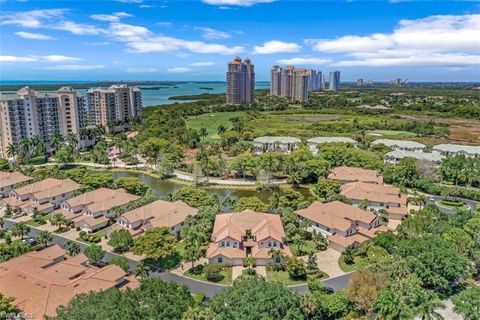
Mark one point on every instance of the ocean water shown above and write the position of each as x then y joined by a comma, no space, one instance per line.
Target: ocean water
158,96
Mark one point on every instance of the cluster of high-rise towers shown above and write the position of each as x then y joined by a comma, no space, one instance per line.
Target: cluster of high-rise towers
289,82
28,113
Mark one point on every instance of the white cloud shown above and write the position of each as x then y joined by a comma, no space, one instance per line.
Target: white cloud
202,64
145,6
31,19
75,67
34,36
240,3
212,34
110,17
179,70
435,40
164,24
130,1
304,61
33,58
16,59
79,29
141,70
58,58
276,46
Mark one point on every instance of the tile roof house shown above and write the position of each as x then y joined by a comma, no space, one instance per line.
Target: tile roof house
8,181
43,280
394,157
379,196
275,144
44,195
156,214
349,174
342,224
90,211
237,235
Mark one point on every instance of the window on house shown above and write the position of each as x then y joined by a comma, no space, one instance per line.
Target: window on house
222,244
220,260
228,243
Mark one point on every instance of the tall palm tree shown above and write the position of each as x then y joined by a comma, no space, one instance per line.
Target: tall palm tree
21,229
44,238
203,133
56,142
12,152
72,140
25,147
142,271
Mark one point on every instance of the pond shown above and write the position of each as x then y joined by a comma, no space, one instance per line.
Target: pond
165,187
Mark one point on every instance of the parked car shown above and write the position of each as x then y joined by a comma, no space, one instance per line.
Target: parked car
31,241
18,214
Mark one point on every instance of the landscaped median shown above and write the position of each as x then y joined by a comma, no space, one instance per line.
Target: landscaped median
211,273
453,204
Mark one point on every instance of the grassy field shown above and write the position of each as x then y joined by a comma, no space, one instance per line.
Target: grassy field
346,267
392,133
283,277
211,121
307,248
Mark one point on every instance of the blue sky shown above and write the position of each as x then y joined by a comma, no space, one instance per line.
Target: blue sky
193,40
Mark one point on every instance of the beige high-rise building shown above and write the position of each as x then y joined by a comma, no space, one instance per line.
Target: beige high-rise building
28,113
117,103
276,81
293,83
240,81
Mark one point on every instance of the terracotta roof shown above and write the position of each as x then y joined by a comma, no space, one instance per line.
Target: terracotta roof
161,213
91,221
12,178
372,232
355,174
234,225
336,214
102,199
41,281
347,241
232,253
49,187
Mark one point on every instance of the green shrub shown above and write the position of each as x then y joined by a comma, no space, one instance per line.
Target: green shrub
199,298
452,203
212,273
198,269
82,233
37,160
249,272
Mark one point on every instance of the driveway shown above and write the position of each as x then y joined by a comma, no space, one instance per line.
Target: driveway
327,261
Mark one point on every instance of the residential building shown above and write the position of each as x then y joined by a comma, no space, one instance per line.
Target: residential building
275,144
360,82
240,81
276,81
342,224
295,84
314,142
156,214
237,235
45,195
28,113
350,174
334,81
9,180
451,150
41,281
378,196
91,211
118,103
401,145
394,157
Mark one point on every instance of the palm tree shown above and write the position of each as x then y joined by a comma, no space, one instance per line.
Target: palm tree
44,238
25,147
428,309
72,140
72,247
56,142
249,262
58,219
276,254
21,229
142,271
12,152
221,129
203,133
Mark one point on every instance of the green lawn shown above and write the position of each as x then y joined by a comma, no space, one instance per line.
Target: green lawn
211,121
226,273
283,277
346,267
307,248
393,133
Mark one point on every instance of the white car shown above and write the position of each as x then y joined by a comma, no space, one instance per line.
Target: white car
431,199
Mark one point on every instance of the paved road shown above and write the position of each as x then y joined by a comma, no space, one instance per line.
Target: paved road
471,203
195,286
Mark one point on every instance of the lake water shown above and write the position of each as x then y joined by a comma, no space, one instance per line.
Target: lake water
165,187
163,93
